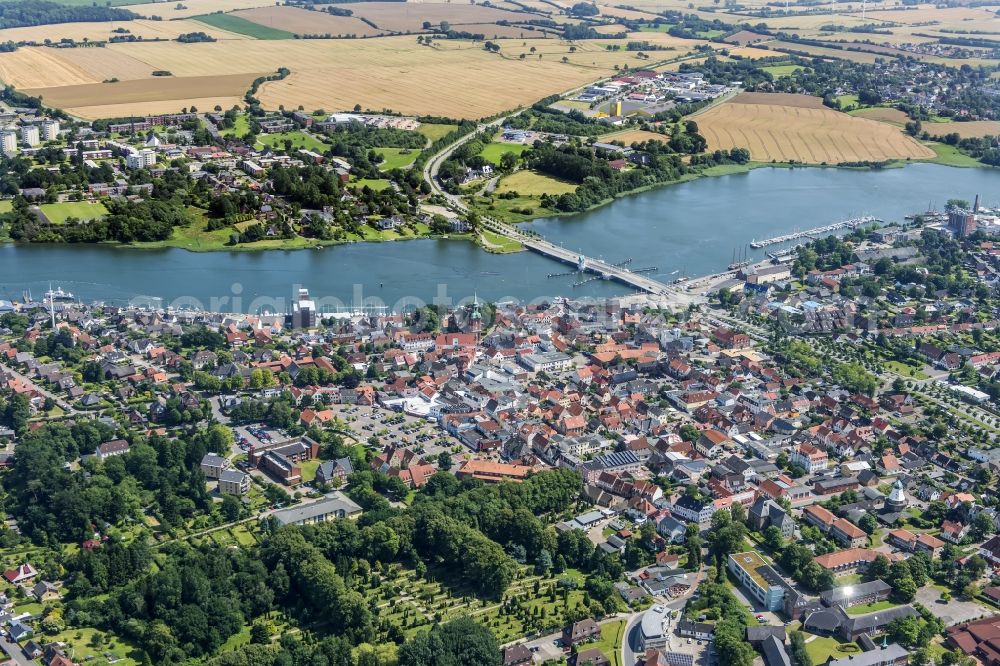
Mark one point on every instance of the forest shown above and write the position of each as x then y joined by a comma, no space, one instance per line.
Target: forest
20,13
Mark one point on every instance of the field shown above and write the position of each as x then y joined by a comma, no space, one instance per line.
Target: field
304,22
89,100
396,158
58,213
494,151
435,131
529,183
798,128
242,26
168,10
883,114
853,56
634,136
778,71
102,31
298,140
410,16
966,130
389,72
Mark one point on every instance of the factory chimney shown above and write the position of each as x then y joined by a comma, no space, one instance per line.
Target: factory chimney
975,206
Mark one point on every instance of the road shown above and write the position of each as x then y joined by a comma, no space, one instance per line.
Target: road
14,651
631,653
65,406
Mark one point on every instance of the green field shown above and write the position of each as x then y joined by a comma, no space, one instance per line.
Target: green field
951,156
662,27
376,184
847,101
905,370
499,244
777,71
242,26
611,641
530,183
6,205
869,608
396,158
240,127
58,213
494,151
821,648
434,131
298,139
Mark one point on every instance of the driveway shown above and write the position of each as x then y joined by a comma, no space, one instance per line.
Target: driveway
955,611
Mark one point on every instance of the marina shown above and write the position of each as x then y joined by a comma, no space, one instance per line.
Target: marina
850,224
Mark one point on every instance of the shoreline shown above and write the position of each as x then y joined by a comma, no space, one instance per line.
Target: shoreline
302,244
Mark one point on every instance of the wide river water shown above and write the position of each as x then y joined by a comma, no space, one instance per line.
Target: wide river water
687,229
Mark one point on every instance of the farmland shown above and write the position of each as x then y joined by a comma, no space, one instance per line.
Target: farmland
529,183
410,16
388,72
798,128
104,31
94,100
169,10
242,26
293,20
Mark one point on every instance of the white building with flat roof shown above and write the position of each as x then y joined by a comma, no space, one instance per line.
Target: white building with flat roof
50,130
8,143
30,135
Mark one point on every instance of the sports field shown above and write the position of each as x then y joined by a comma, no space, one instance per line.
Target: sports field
58,213
799,128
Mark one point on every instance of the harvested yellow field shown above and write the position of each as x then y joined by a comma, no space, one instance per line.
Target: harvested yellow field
494,31
751,52
167,10
304,22
627,14
804,133
946,16
823,52
104,64
410,17
453,78
885,115
101,32
973,129
634,136
38,67
154,89
152,108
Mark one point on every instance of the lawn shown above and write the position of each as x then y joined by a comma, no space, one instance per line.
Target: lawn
83,648
531,183
58,213
435,131
848,101
308,469
950,155
904,370
396,158
777,71
494,151
499,244
377,184
242,26
240,127
298,138
869,608
821,648
611,641
6,206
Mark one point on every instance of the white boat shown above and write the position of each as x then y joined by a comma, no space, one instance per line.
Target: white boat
58,294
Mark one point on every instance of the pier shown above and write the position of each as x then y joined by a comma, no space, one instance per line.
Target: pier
853,223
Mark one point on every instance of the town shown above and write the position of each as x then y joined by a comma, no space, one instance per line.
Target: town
797,469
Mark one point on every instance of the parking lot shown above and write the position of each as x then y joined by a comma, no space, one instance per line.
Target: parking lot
424,437
955,611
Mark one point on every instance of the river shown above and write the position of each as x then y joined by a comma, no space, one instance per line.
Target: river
688,229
